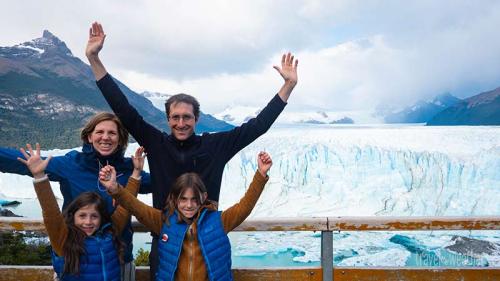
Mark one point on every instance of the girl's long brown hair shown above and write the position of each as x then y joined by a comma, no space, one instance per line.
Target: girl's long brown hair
74,246
181,184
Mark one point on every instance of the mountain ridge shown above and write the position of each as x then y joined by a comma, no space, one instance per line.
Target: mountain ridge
47,94
481,109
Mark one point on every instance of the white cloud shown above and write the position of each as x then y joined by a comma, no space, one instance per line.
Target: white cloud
353,54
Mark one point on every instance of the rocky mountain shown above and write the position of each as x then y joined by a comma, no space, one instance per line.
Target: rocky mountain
422,111
47,94
481,109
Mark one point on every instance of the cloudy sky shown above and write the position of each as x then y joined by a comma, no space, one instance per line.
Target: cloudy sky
353,55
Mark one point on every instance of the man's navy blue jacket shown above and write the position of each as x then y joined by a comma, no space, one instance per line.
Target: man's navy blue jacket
206,154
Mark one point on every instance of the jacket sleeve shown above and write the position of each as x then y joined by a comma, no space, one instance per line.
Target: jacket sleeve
145,214
145,183
236,214
52,217
121,216
10,164
143,132
231,142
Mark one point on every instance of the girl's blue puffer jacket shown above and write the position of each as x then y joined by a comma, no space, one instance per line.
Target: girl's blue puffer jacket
100,263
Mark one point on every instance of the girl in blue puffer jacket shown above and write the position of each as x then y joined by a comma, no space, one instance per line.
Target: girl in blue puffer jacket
84,237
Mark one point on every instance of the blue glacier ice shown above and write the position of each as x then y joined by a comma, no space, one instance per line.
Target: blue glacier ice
383,170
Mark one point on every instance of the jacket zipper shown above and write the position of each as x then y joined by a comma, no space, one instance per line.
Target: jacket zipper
103,267
191,241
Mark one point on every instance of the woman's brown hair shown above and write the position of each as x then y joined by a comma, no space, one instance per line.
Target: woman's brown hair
74,245
181,184
105,116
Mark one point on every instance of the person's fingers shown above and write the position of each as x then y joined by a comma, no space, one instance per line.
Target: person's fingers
26,156
107,169
48,158
291,60
94,27
296,63
90,32
139,152
30,149
101,30
277,68
283,57
22,160
37,146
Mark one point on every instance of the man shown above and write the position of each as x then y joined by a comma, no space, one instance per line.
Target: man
169,156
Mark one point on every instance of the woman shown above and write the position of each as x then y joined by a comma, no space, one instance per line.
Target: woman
193,234
104,142
85,237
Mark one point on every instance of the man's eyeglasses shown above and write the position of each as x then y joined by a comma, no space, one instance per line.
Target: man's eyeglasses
185,117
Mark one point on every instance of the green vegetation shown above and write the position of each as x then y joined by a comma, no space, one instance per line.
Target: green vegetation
142,258
29,249
24,249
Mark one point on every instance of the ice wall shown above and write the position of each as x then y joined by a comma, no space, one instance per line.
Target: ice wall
354,170
388,170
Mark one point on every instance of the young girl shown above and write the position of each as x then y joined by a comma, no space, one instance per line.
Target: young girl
84,237
193,234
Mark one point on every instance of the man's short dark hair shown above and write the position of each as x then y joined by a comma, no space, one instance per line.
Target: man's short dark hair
185,98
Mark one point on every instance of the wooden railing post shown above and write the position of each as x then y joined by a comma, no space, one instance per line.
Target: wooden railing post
327,255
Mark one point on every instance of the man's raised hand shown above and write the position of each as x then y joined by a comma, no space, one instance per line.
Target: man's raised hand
96,40
288,69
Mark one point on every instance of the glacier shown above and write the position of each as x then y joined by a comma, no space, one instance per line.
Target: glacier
380,170
354,170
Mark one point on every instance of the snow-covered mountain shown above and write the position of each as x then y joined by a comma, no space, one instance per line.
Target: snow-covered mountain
158,99
239,114
481,109
422,111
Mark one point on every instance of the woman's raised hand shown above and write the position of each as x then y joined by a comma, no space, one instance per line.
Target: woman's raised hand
33,161
138,158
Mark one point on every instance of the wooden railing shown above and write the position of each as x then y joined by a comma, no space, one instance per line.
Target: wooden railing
327,225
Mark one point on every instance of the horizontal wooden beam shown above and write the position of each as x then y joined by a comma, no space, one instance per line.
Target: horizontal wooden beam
45,273
415,274
413,223
284,224
374,223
